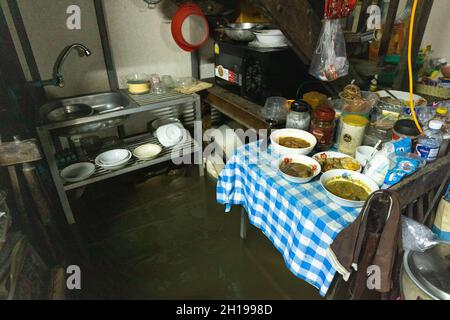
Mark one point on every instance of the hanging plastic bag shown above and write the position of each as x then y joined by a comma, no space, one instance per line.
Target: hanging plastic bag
329,61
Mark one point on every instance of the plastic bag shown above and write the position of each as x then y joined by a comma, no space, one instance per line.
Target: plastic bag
416,236
329,61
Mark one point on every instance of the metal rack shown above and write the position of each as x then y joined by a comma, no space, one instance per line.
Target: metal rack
133,164
187,106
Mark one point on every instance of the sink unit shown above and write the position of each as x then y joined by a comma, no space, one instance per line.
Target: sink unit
186,107
100,103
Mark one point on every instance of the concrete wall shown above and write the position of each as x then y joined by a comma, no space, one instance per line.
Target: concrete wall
437,33
45,22
141,41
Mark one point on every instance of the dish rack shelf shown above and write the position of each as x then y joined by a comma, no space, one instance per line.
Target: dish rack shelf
183,149
186,107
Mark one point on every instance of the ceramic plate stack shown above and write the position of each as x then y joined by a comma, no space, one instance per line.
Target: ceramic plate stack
113,159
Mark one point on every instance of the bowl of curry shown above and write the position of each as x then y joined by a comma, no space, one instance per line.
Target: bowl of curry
292,141
348,188
298,168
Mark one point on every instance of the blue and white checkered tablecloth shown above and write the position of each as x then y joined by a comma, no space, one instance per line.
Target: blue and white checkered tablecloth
299,219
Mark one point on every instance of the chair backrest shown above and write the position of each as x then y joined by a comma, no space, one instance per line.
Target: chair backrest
418,196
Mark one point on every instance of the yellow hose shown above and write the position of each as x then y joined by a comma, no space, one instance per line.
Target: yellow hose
410,69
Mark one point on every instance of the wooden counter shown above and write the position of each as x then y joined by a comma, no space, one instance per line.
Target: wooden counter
233,106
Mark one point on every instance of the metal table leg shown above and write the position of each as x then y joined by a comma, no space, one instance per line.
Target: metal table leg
243,224
48,149
198,135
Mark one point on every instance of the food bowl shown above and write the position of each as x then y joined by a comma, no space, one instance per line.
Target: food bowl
113,164
347,176
271,37
294,133
70,112
147,151
242,31
295,158
113,156
78,172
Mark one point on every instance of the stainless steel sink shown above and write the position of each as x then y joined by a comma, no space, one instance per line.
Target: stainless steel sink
107,104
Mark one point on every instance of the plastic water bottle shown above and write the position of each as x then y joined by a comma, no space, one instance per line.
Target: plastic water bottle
430,142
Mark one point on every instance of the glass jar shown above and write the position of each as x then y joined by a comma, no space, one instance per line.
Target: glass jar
352,133
322,127
375,134
299,116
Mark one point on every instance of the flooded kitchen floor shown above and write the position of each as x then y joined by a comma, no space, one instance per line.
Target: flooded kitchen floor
167,238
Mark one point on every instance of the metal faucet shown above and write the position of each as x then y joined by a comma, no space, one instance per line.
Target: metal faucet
58,79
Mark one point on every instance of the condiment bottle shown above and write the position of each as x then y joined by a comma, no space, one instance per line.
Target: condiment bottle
299,117
322,127
442,115
352,133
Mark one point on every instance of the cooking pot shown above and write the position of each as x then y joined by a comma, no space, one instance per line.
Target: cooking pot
426,275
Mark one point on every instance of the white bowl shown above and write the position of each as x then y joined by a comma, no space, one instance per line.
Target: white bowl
271,37
303,160
348,175
295,133
147,151
113,166
78,172
112,157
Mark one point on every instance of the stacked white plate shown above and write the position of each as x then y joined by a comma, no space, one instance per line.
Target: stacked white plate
113,159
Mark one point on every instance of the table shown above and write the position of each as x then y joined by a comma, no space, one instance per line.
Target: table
299,220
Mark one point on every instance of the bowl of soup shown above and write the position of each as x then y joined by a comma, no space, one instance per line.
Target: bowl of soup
292,141
299,169
348,188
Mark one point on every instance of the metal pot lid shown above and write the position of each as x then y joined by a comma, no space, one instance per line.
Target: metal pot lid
430,270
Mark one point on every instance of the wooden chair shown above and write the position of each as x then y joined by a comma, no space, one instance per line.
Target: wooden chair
418,196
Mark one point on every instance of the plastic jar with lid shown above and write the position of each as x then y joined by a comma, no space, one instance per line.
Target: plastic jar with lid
406,128
352,133
322,127
442,115
299,116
